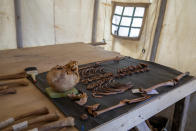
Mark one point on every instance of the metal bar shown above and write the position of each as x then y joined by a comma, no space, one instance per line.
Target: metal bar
129,16
158,30
18,23
120,20
125,26
131,21
95,17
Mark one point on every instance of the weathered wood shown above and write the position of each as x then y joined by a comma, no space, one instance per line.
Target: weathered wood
143,127
148,109
180,114
44,58
158,29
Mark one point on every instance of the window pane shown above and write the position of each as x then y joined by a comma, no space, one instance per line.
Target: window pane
114,29
128,11
118,10
126,21
116,19
134,32
137,22
139,11
123,31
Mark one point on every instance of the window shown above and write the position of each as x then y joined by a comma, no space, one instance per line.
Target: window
128,20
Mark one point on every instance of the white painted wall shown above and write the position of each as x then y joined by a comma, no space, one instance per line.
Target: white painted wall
37,20
73,20
7,25
46,22
177,43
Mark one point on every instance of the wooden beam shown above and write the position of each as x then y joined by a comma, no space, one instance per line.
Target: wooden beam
144,111
143,127
95,17
180,114
158,30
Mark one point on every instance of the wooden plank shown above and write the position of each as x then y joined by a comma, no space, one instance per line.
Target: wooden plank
142,127
158,29
148,109
180,114
44,57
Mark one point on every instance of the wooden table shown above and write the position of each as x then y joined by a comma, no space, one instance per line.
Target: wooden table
45,57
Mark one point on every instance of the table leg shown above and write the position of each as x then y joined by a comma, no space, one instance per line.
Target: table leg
180,114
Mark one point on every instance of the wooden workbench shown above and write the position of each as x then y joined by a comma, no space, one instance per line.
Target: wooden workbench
28,98
45,57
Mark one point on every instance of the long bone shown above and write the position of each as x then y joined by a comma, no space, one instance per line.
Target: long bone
172,83
11,120
121,103
26,124
7,91
6,85
69,121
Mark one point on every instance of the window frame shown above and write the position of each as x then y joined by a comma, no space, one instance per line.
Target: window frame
145,5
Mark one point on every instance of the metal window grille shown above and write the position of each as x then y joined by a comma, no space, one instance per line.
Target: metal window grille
133,18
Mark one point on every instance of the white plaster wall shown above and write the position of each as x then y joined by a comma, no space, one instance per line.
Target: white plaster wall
48,22
73,20
7,25
37,20
177,43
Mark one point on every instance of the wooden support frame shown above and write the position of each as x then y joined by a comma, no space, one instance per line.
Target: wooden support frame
180,114
142,127
148,109
158,30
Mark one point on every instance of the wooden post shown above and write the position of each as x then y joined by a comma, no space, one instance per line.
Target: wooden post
180,114
143,127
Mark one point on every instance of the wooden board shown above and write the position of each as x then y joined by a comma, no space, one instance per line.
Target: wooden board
45,57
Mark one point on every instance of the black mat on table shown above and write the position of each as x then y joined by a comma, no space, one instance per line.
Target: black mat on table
157,74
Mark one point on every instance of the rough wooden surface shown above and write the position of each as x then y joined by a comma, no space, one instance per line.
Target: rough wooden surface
180,114
45,57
